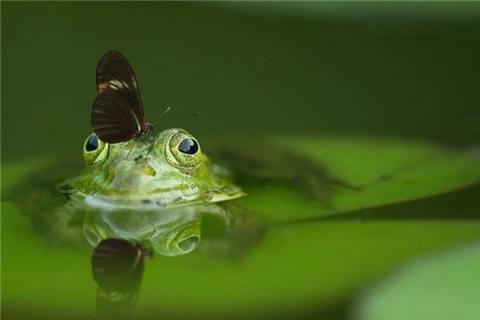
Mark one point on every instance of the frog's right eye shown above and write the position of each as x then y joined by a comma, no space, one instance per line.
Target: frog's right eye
184,151
94,150
92,143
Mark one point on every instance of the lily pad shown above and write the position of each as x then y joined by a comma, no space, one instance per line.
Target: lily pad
444,286
385,171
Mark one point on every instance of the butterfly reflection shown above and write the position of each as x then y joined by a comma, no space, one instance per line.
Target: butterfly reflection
117,268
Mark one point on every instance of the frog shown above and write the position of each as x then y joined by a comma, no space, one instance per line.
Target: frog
149,197
165,170
153,191
142,181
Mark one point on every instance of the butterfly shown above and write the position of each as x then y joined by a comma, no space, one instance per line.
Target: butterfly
117,111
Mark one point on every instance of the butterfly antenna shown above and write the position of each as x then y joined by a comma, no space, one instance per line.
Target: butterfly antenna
161,115
191,114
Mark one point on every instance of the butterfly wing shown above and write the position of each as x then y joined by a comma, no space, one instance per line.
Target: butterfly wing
113,119
113,69
117,113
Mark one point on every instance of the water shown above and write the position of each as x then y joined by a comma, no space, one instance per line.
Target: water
373,109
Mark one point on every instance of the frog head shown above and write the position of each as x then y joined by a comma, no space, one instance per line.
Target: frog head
164,170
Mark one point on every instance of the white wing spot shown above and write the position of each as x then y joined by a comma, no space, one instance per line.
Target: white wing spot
139,127
115,84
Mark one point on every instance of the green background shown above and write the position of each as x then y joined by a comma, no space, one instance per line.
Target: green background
377,68
363,88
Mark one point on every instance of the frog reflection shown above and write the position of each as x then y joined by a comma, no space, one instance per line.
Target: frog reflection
167,232
123,239
153,192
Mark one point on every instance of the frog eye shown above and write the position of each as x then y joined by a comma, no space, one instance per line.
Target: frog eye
94,150
91,144
188,146
184,150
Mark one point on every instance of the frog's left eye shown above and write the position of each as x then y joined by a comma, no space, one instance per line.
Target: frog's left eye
184,150
94,150
91,144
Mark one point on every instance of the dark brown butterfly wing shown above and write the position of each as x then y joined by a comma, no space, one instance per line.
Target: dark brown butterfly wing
117,113
113,119
113,70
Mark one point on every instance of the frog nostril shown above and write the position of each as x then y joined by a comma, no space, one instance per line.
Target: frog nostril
189,244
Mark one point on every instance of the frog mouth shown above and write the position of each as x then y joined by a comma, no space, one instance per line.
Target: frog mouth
164,199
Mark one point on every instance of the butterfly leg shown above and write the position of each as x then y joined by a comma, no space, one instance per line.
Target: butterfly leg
150,148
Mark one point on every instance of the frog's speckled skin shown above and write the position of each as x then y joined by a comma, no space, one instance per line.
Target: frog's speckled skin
149,173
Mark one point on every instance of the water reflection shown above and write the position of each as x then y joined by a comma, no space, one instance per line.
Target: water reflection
117,268
169,232
125,240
